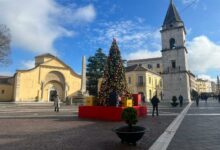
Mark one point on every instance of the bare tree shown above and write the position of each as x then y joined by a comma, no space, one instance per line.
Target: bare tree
5,40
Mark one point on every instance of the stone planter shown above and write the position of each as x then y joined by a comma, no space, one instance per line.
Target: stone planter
130,135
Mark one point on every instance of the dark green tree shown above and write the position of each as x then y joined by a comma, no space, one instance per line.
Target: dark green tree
114,76
95,69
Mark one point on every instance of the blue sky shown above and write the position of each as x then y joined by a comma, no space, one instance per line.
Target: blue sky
70,29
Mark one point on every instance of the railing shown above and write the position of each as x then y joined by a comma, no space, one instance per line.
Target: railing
172,70
140,84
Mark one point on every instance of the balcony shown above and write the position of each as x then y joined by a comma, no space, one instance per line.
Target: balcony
140,84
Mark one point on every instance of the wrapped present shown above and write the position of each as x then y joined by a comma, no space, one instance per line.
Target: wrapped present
89,101
127,103
137,99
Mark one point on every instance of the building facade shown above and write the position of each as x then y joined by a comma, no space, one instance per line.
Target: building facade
144,81
214,87
204,86
173,65
174,56
50,75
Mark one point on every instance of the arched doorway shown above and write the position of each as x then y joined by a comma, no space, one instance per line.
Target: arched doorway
54,84
52,94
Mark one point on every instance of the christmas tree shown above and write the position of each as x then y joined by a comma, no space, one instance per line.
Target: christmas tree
114,76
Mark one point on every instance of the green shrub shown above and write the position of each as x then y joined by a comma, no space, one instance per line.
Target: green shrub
174,103
129,115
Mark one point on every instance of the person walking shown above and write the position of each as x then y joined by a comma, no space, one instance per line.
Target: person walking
154,102
113,98
197,100
143,98
206,98
56,103
181,100
219,98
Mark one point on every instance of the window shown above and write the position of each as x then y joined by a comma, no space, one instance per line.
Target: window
149,66
172,43
158,65
173,62
3,91
129,80
149,80
140,80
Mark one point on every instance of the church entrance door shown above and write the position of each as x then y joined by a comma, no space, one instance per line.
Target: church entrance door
52,95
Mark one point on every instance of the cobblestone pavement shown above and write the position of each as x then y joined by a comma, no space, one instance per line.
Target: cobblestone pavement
38,127
199,129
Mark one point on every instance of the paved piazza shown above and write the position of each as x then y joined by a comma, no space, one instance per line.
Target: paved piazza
39,127
199,129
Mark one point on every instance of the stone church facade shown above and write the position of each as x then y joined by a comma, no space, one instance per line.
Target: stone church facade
49,75
173,63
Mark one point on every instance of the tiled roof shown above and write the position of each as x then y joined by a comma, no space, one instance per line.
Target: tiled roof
147,59
137,67
5,80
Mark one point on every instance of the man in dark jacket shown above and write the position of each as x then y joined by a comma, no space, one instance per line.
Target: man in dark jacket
154,102
113,98
181,100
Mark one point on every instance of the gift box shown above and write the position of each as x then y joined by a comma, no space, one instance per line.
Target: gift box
137,99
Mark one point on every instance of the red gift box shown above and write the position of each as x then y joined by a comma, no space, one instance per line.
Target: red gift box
137,99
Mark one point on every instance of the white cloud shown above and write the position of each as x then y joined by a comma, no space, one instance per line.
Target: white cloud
77,15
29,64
206,77
143,54
131,35
189,1
203,54
6,73
36,24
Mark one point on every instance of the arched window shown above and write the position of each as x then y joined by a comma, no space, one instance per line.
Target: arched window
172,43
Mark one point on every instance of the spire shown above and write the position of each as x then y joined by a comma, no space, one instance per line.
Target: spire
172,15
114,40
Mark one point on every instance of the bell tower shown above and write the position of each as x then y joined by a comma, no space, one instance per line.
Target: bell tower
174,56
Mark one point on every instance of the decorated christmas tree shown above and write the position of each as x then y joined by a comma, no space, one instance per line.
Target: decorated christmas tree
114,76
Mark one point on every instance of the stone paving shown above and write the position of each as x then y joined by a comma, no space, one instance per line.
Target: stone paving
199,129
38,127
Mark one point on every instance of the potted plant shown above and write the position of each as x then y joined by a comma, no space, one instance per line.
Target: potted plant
130,133
174,103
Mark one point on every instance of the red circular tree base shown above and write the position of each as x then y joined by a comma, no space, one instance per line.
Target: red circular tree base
107,113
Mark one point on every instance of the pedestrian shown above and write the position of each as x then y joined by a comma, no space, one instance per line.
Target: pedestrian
181,100
154,102
143,98
206,97
197,100
118,101
219,98
56,103
113,98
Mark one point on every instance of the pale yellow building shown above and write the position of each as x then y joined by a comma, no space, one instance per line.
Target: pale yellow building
203,86
143,80
49,75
